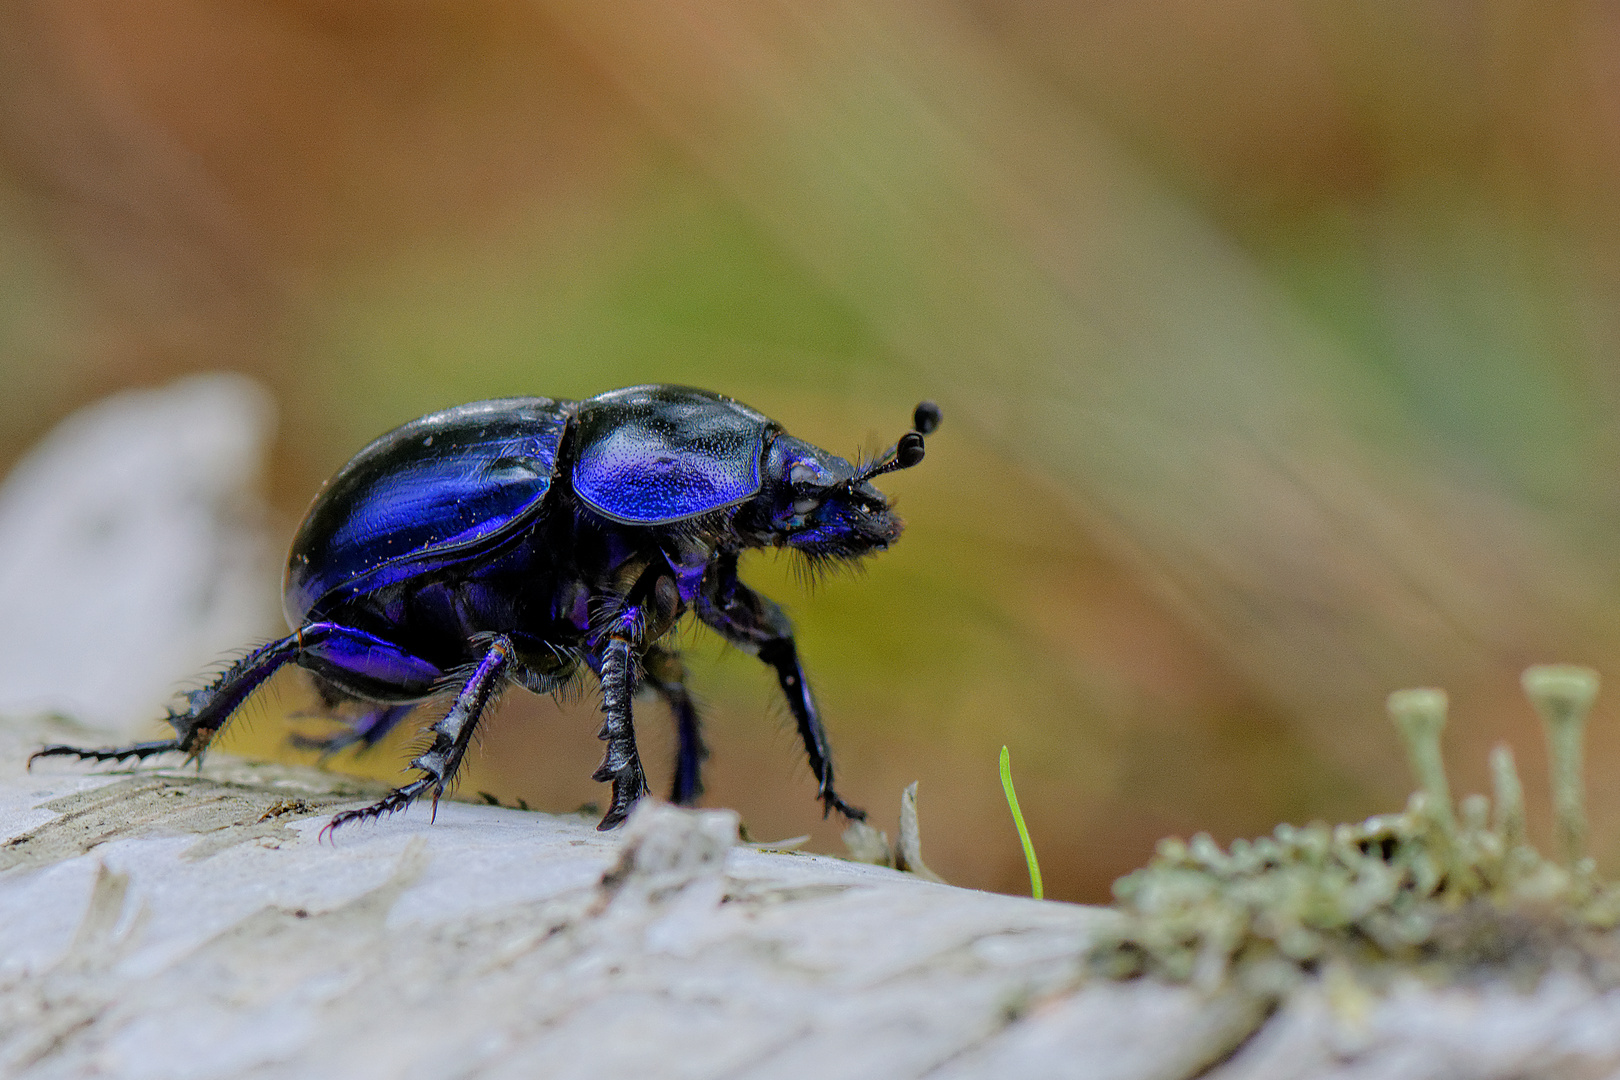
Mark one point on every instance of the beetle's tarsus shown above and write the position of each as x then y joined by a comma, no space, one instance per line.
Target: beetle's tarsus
392,803
831,802
206,710
112,753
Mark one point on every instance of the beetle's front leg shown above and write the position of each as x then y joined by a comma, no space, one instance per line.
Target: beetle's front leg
758,625
621,763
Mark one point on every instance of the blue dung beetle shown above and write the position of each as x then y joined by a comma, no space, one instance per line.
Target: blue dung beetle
513,541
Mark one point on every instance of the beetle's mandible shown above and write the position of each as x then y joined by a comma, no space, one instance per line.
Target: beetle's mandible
525,539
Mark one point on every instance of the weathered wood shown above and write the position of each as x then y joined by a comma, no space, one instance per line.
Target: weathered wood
170,924
165,923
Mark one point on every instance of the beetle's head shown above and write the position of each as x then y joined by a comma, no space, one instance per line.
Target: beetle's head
825,508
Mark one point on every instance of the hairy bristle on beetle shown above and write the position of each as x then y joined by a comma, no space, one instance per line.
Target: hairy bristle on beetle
813,569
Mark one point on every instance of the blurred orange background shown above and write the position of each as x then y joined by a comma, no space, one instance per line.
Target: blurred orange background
1277,345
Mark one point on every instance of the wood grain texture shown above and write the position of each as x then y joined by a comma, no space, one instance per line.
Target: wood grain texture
170,924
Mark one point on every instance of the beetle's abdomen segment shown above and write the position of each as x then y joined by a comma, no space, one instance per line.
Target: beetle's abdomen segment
429,491
650,455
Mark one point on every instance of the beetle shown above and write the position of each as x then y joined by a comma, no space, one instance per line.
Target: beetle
525,540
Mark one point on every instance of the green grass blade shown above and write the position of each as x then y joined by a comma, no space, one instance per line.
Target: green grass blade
1018,819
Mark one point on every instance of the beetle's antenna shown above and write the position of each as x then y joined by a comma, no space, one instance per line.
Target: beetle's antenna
909,450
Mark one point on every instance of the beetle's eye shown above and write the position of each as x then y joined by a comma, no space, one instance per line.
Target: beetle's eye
802,477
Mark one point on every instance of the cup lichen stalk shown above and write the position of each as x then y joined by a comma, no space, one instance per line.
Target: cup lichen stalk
1563,695
1437,887
1420,716
1509,798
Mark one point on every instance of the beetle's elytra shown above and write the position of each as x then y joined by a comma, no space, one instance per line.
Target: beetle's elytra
525,539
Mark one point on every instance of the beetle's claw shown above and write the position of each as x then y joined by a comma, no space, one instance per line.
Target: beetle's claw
626,793
831,801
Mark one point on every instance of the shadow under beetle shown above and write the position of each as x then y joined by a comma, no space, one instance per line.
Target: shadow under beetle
513,541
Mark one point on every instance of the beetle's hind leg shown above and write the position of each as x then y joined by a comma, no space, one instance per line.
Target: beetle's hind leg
667,675
207,709
451,737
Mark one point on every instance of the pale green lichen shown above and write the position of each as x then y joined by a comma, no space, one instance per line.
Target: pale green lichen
1563,695
1429,887
1421,717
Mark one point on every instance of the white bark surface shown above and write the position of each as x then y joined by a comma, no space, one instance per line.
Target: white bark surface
169,925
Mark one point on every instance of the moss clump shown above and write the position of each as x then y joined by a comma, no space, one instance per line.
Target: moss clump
1436,887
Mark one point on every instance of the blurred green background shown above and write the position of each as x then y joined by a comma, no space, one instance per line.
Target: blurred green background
1277,345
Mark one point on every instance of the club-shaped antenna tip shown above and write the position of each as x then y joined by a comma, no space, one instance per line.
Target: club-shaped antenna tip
926,418
909,450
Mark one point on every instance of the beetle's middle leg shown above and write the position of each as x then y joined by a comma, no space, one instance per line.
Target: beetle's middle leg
667,675
451,737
